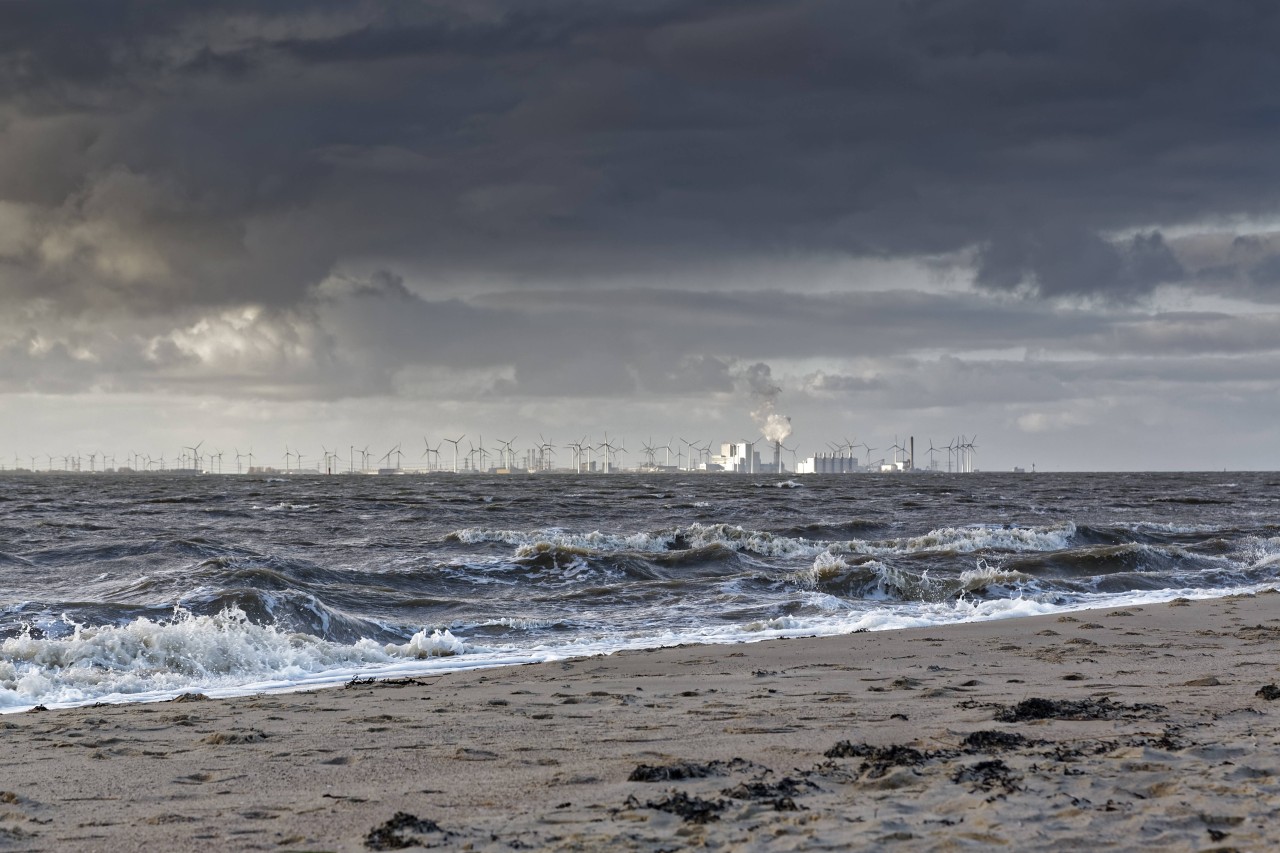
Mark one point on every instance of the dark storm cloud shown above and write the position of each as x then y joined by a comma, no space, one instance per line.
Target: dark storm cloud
1073,262
160,156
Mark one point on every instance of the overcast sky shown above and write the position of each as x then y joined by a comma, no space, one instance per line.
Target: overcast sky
1054,225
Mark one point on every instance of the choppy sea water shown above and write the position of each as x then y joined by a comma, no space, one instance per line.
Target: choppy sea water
135,587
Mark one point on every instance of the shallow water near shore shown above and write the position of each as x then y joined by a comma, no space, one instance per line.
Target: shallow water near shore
119,587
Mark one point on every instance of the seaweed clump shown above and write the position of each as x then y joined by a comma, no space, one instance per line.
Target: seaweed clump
1073,709
680,770
992,740
987,776
879,759
690,809
400,832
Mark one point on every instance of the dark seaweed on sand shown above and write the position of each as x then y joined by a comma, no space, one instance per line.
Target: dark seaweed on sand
679,770
1269,692
879,759
892,754
691,809
1077,709
401,832
987,776
992,740
779,794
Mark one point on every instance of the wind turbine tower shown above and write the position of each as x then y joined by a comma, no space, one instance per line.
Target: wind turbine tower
455,442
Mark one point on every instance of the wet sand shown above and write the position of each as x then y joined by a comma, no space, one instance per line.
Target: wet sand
1148,726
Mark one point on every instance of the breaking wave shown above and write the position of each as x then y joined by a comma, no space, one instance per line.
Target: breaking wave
186,652
958,540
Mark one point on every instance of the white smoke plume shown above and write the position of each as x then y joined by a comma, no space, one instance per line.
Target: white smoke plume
775,427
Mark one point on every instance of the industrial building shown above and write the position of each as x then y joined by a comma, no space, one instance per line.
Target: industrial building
829,463
737,457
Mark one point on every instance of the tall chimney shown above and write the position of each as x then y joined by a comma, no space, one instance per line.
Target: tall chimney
777,457
913,452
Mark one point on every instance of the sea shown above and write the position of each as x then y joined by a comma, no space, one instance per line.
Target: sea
142,587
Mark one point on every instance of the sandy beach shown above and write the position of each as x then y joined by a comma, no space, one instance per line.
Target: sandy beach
1148,726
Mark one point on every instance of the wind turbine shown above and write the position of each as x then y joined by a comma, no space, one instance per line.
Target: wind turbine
969,448
609,451
933,466
705,452
429,451
455,442
507,454
576,447
692,447
195,453
547,451
962,455
899,451
476,456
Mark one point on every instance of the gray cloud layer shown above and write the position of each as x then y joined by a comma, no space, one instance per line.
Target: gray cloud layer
328,199
217,152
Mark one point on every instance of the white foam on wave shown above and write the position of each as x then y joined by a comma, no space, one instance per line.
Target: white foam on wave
227,655
978,537
437,644
1169,527
528,543
983,575
147,659
966,539
1259,551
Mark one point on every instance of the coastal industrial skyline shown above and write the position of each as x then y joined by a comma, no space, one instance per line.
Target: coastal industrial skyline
585,455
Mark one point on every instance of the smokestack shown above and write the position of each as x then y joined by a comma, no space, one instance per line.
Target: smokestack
777,457
913,452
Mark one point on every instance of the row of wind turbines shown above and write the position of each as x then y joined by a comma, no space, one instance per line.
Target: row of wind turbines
477,457
960,454
448,455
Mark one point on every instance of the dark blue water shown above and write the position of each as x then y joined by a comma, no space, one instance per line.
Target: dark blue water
140,586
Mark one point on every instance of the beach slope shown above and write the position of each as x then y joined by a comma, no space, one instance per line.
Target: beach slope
1146,726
